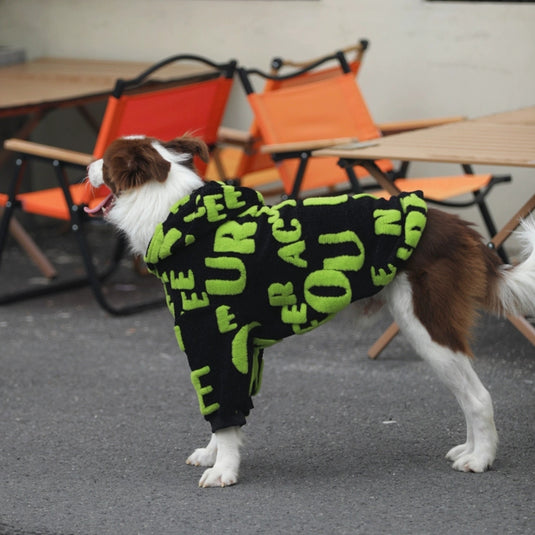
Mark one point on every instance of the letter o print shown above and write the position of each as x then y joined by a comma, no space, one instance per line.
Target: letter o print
327,291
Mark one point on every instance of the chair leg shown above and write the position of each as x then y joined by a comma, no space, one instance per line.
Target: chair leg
402,170
353,180
303,162
381,343
524,326
4,227
7,214
497,240
512,224
486,215
521,323
491,228
93,277
96,279
34,253
9,223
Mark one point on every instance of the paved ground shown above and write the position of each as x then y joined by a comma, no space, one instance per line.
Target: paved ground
98,416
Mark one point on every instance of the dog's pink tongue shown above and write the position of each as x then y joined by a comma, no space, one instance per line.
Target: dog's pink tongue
100,208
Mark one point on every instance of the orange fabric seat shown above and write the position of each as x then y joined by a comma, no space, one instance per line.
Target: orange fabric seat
52,203
441,188
322,109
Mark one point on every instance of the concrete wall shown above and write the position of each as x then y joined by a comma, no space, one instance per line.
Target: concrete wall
426,59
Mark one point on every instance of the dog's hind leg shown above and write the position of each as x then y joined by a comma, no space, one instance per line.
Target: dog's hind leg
204,456
227,462
455,371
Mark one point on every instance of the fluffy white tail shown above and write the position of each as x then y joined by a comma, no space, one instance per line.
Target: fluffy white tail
517,286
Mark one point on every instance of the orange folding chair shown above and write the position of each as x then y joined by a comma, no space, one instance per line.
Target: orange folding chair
240,158
296,120
149,105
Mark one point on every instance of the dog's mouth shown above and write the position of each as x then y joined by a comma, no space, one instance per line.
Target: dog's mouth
103,208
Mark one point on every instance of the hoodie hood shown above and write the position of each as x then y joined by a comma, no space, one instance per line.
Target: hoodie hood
198,215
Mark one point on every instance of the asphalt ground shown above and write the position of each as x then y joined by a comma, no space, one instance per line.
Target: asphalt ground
98,416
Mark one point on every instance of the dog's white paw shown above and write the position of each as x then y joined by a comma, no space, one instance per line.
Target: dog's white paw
223,454
458,451
202,457
218,477
472,463
466,459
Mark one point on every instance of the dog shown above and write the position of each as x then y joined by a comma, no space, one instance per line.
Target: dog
436,274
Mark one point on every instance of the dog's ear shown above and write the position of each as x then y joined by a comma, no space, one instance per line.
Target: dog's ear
189,145
134,164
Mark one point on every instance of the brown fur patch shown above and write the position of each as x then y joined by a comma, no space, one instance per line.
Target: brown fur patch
190,145
452,274
131,163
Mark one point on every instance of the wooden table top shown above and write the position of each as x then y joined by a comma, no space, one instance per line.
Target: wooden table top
521,116
502,139
49,82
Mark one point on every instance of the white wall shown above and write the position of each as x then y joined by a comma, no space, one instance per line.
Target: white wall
426,59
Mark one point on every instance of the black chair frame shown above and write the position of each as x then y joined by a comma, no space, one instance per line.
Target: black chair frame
77,216
348,164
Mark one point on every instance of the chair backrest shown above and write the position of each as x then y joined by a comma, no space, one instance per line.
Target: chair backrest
254,160
167,109
323,108
279,66
194,106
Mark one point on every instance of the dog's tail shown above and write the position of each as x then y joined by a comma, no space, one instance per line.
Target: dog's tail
514,292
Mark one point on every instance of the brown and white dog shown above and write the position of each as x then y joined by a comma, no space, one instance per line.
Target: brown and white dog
434,298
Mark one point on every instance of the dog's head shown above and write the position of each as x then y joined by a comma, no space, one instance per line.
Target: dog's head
133,161
146,177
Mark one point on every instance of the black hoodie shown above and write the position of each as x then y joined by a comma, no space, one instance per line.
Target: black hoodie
240,275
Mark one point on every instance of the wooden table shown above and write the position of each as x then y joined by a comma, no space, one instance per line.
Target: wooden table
49,83
502,139
37,87
521,116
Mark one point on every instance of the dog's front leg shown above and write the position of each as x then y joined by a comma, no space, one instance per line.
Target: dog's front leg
227,461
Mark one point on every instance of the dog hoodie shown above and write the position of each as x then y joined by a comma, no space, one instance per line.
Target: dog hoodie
240,275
